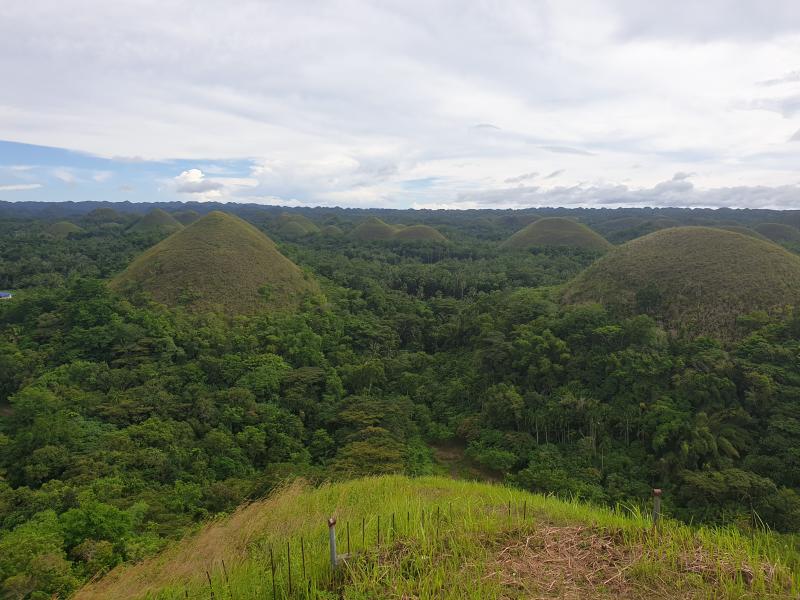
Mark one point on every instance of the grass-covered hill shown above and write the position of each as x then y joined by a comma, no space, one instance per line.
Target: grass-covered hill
156,221
697,279
62,229
419,233
104,215
447,539
296,225
331,230
186,217
778,232
745,231
218,262
556,231
373,229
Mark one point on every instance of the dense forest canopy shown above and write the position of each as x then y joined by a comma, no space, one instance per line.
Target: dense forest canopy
125,422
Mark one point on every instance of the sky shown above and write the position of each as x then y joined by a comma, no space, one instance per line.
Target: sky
407,104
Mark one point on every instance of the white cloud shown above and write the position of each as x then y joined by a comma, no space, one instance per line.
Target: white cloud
400,103
18,187
195,182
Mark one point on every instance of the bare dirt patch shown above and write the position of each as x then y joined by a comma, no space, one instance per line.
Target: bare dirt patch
581,562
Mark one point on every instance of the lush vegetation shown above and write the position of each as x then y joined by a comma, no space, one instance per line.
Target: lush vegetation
779,232
557,231
697,279
125,423
453,539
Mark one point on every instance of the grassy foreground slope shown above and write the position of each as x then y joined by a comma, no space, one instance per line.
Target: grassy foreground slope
694,278
452,539
219,262
556,231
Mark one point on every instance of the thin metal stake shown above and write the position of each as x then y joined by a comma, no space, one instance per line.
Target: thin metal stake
289,565
363,544
437,522
303,555
348,537
227,581
379,530
272,567
524,510
210,587
393,534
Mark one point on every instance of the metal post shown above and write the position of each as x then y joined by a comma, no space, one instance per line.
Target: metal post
289,565
272,568
379,530
332,540
656,506
524,509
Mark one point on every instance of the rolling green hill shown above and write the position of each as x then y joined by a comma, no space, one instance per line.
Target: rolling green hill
104,215
745,231
419,233
62,229
296,225
331,230
778,232
698,279
445,539
373,229
556,231
219,262
186,217
156,221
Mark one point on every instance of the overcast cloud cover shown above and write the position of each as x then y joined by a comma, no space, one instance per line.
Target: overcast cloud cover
403,104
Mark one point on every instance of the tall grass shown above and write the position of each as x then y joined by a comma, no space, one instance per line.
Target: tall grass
445,543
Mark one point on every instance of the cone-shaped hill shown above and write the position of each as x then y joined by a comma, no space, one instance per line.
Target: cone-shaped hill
62,229
419,233
186,217
104,215
556,231
219,262
745,231
373,229
778,232
331,230
295,225
698,279
156,221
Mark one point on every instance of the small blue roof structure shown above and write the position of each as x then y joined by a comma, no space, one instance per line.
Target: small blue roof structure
4,295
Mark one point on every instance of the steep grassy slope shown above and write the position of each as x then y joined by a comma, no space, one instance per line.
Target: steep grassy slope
62,229
373,229
778,232
694,278
156,221
419,233
219,262
452,539
556,231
